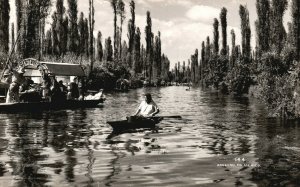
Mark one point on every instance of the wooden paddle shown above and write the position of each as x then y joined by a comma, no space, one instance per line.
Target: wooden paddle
175,117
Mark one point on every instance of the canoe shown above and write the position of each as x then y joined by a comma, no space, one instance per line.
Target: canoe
135,124
42,106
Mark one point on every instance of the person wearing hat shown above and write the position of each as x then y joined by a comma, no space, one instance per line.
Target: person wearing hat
147,108
17,80
7,76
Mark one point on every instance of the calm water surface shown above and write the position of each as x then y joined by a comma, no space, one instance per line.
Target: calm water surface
221,141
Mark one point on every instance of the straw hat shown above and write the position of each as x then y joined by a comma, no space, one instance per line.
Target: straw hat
7,72
21,71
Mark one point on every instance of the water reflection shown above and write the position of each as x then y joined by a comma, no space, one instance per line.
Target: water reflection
25,152
78,148
278,151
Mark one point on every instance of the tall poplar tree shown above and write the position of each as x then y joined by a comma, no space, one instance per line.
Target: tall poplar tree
12,35
158,53
149,45
278,32
99,47
82,34
73,36
55,41
137,48
91,31
108,50
131,26
60,10
121,12
296,26
245,31
19,14
263,25
65,36
207,49
87,38
216,36
233,55
223,19
114,6
203,60
4,25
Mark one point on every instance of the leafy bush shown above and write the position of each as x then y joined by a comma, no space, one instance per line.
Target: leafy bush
106,75
239,78
136,81
277,83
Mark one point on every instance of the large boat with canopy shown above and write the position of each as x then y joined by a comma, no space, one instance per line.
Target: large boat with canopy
35,98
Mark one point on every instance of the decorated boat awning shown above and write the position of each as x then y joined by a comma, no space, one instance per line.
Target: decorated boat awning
63,69
32,73
54,69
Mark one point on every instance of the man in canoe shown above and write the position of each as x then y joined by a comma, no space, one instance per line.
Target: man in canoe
147,108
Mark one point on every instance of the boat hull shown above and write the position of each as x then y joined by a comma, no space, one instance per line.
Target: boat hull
134,124
41,106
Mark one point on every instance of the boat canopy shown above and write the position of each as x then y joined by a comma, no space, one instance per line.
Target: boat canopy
54,69
63,69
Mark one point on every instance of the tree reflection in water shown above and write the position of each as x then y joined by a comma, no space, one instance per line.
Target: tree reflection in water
29,137
278,153
25,152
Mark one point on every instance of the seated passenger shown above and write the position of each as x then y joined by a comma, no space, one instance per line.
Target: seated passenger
73,91
46,87
56,93
62,87
28,93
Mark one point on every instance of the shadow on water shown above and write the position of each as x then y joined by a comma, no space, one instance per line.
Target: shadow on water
116,133
129,146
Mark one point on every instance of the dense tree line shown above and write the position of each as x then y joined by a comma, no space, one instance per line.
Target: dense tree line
270,70
71,38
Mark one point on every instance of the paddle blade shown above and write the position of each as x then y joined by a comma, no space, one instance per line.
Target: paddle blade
174,117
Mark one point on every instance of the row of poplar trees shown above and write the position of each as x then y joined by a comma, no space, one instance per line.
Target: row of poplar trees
69,35
148,60
239,66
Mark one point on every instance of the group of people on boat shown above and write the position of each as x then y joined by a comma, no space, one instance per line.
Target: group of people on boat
23,89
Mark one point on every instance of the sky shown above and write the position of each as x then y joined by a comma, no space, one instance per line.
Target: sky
183,24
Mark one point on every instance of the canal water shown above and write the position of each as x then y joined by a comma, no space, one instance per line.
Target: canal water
220,141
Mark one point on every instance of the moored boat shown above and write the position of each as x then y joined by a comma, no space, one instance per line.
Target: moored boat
63,97
45,105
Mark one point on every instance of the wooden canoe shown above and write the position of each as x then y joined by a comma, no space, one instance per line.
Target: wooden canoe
41,106
135,124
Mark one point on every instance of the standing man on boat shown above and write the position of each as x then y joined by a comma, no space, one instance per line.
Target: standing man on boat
147,108
17,80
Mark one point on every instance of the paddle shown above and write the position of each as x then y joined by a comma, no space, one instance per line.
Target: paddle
175,117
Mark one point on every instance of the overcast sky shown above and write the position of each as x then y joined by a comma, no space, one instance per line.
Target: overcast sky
184,24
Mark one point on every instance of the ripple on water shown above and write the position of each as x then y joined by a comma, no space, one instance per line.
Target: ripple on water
77,147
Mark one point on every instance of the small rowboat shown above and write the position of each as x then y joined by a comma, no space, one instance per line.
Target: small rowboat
135,124
138,123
